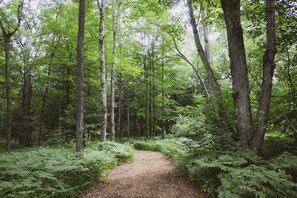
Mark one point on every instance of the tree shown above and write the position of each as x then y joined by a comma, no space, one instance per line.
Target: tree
80,78
240,79
213,85
101,8
7,33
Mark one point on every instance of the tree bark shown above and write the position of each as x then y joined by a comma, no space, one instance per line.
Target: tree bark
212,82
101,7
268,70
80,78
239,72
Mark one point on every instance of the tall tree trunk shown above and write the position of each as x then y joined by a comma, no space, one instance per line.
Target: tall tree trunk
212,82
146,79
80,78
163,94
8,93
120,108
128,116
101,7
26,134
115,22
240,82
268,70
7,39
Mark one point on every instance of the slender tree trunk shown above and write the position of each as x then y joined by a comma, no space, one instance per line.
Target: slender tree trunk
112,78
120,108
268,70
182,56
153,104
115,18
41,135
80,79
128,117
8,93
206,39
25,138
240,82
163,95
150,81
101,7
146,108
212,82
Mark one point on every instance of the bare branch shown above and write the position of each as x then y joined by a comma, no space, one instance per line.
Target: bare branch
20,9
182,56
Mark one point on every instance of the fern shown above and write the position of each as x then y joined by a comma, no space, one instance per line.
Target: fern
236,172
57,172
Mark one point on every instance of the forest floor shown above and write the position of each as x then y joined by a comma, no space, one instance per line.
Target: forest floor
150,175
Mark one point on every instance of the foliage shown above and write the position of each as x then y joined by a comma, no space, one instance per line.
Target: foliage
236,172
58,172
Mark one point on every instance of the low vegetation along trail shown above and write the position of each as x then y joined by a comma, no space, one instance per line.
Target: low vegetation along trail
151,175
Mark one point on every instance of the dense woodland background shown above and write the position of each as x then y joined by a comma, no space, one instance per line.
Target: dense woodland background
212,78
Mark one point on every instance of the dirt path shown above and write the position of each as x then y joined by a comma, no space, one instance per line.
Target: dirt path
150,175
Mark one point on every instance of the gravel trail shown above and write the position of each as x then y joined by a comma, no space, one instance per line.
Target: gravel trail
150,175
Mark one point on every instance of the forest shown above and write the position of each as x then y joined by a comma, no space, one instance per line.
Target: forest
211,84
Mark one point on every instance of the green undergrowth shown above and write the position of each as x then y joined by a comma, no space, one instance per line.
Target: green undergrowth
235,172
58,172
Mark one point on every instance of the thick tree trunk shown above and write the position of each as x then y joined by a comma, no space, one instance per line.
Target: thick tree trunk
8,93
101,7
212,82
268,69
80,78
240,82
7,38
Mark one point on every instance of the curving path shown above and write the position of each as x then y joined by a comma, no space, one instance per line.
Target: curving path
150,175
